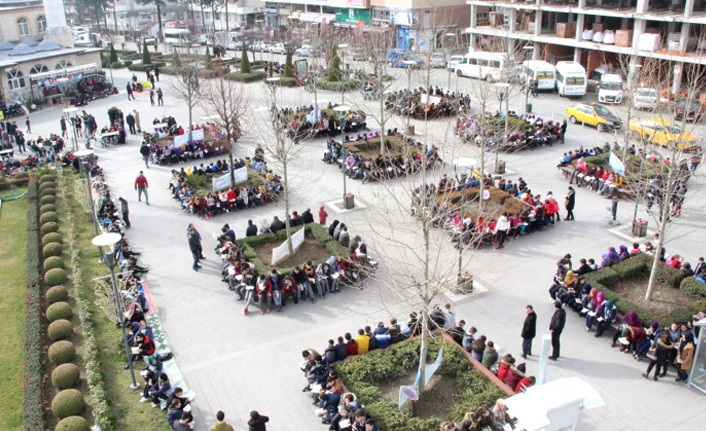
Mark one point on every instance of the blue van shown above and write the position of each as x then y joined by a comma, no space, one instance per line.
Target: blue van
398,58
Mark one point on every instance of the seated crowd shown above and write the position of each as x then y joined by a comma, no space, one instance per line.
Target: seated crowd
305,282
383,166
310,122
411,103
537,134
661,346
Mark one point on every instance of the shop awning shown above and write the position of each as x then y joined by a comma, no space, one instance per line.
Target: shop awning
63,72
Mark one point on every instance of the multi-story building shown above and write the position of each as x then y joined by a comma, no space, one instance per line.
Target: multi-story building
567,30
36,45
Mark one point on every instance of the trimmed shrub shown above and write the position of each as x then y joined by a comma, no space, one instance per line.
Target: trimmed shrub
44,178
693,287
56,294
254,241
20,182
676,315
60,329
48,199
246,77
142,67
52,249
58,310
629,267
320,233
53,262
669,275
73,423
53,237
145,54
282,234
21,175
697,305
624,306
346,84
46,185
65,376
289,66
62,352
55,276
68,402
607,276
47,208
610,295
49,227
336,249
49,191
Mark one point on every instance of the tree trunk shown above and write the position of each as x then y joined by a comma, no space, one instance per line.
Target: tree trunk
203,18
159,17
227,24
482,166
285,179
423,346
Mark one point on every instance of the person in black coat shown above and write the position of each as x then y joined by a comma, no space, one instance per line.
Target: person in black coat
556,326
257,421
276,225
307,217
569,203
529,331
332,227
251,230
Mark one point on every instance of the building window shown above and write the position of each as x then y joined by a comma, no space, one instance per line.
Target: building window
217,16
23,27
41,23
63,64
38,68
15,79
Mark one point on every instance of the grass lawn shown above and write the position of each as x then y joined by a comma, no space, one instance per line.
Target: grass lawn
128,413
13,252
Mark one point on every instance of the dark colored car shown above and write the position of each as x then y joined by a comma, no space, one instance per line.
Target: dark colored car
694,111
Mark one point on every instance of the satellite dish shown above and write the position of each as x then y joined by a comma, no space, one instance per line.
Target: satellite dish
411,393
486,194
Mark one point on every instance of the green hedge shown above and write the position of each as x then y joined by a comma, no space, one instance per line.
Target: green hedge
256,240
246,77
65,376
53,237
55,276
142,67
693,287
47,200
49,227
47,208
669,275
56,294
46,185
32,413
52,262
60,329
336,249
52,249
49,191
59,310
347,84
362,373
286,82
630,267
45,178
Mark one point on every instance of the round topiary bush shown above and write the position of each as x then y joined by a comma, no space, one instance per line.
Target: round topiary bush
59,310
73,423
55,276
65,376
68,402
51,237
49,191
60,329
46,178
49,227
62,352
49,217
46,185
56,294
51,249
53,262
47,208
48,199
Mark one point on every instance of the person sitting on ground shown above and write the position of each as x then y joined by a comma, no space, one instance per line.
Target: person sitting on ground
329,402
251,230
186,423
478,348
490,355
179,395
351,345
319,372
341,350
344,236
457,332
506,362
160,390
330,352
143,346
525,383
174,412
307,217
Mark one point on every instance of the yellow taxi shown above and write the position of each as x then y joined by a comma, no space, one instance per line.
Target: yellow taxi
663,132
593,114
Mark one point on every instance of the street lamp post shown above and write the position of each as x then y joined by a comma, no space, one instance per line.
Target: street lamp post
343,163
528,51
83,156
466,164
503,94
109,240
70,116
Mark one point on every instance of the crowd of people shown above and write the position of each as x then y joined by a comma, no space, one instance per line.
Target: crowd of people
672,345
306,282
382,167
536,134
307,122
420,103
87,90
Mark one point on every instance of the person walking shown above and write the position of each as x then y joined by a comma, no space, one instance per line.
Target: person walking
145,151
130,120
198,237
556,326
529,331
137,121
128,88
257,421
125,211
194,247
141,187
156,73
160,97
569,204
562,131
221,424
20,141
29,126
62,122
152,79
152,96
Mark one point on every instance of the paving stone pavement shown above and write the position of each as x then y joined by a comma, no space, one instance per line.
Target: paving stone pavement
239,363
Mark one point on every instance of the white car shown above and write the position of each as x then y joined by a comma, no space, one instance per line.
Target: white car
304,51
278,48
453,62
645,98
261,46
149,40
437,59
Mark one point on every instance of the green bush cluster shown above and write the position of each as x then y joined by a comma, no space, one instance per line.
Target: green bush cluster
19,182
56,294
68,402
52,249
630,267
47,208
338,86
49,191
53,237
47,200
49,227
142,67
693,287
60,329
246,77
669,275
59,310
52,262
61,352
45,185
73,423
65,376
55,276
47,178
32,413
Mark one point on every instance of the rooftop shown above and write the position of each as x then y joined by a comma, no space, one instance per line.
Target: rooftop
13,52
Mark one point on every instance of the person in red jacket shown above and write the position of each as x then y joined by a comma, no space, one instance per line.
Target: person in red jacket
514,375
505,363
351,345
141,187
322,215
143,347
289,288
525,383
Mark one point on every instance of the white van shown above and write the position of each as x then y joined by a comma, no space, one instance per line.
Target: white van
491,66
570,79
228,40
610,88
538,70
177,36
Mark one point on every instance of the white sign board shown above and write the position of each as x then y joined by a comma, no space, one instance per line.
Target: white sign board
432,100
282,252
223,182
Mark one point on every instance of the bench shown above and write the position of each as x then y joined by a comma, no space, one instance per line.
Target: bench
54,99
622,193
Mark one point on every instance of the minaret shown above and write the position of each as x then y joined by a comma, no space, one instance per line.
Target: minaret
57,29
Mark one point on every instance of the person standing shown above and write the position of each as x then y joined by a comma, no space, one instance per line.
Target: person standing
198,237
156,73
152,96
20,141
569,204
257,421
130,120
62,122
322,215
556,326
194,247
160,97
152,79
221,424
125,211
137,121
529,331
145,151
141,187
128,88
562,131
29,126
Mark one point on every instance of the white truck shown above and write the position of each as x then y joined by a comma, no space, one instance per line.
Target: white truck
610,89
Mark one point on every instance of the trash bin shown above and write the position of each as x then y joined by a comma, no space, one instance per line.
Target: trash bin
349,201
639,228
410,130
528,108
500,167
465,284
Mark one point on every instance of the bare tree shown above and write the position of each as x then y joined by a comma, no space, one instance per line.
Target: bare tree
186,86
